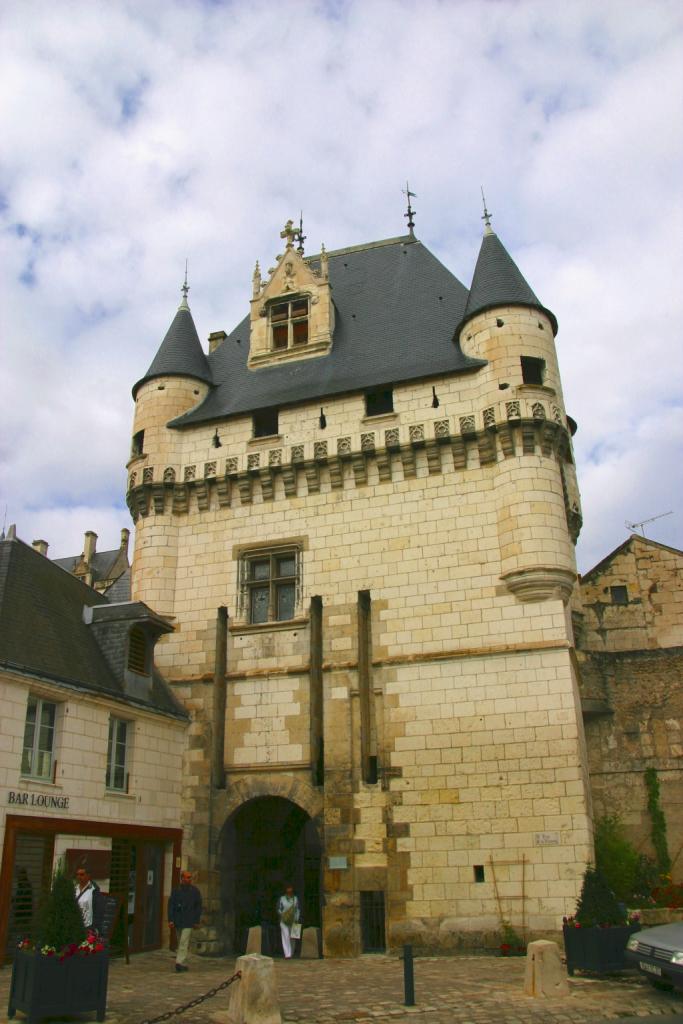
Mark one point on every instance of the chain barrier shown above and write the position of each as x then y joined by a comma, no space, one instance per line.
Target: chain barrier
194,1002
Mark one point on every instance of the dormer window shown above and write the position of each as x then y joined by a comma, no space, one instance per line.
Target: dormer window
289,324
138,652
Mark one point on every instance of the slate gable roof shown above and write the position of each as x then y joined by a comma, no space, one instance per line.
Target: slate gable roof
396,308
398,315
101,563
180,353
43,635
498,281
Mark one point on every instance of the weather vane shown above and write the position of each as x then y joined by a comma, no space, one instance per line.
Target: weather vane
411,212
486,215
300,236
185,289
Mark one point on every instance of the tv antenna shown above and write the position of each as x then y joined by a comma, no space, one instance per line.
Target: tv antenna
643,522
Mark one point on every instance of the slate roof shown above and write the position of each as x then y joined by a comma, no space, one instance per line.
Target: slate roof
398,314
180,353
43,635
101,563
498,281
396,307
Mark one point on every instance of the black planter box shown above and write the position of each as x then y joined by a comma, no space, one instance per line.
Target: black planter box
600,950
44,986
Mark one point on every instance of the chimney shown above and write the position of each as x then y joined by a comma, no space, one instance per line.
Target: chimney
89,545
216,338
125,534
41,546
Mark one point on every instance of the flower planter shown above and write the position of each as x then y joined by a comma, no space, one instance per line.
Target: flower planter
600,950
45,986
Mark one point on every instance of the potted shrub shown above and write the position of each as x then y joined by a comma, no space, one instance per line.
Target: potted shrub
595,937
60,970
511,944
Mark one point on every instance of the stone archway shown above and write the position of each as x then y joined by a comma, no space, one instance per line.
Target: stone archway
267,839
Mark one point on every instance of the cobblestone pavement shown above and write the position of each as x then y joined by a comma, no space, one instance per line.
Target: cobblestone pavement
369,990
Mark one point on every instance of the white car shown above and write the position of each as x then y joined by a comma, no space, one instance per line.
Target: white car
658,953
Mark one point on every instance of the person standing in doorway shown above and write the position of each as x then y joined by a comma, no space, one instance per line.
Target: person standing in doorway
184,912
290,916
85,892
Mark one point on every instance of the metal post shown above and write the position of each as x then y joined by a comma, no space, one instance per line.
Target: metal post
408,977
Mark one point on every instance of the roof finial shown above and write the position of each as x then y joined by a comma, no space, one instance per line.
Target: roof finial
185,289
300,236
289,232
488,230
411,213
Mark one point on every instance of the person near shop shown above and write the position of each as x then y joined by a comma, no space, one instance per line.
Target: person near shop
289,913
184,912
86,891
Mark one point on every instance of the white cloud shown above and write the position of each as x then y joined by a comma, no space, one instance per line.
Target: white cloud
137,135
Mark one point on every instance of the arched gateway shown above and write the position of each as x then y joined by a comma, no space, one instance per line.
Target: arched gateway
267,841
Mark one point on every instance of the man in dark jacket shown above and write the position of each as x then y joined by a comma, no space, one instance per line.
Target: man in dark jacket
184,911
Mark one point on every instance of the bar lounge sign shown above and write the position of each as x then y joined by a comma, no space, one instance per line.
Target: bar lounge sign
48,801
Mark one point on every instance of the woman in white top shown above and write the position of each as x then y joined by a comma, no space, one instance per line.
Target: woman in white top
289,913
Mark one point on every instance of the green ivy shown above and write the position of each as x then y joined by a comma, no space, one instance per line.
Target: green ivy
658,832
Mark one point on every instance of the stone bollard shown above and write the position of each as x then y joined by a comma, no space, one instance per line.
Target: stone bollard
545,974
253,999
310,949
254,939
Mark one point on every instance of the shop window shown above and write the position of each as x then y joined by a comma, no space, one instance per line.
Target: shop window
37,760
138,444
533,370
619,595
117,754
289,324
379,402
138,652
269,589
266,422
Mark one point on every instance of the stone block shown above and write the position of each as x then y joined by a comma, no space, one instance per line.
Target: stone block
545,975
254,939
310,944
254,998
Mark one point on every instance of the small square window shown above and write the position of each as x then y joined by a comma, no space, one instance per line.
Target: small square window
379,402
619,595
269,591
265,422
533,370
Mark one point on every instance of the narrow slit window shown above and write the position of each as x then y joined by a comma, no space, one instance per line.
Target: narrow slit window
137,652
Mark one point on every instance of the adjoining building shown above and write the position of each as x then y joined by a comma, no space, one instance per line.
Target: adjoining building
102,570
92,746
363,501
630,649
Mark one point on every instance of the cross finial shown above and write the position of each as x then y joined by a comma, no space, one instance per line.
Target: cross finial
486,217
289,232
411,213
185,289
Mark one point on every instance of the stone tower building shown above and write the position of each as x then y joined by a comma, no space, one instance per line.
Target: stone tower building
373,474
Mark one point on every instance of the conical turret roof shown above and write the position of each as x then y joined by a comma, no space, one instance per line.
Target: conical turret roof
498,281
180,353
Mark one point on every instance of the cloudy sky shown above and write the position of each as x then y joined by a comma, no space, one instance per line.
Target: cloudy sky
136,134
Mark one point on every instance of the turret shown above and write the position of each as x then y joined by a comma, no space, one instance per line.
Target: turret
520,397
178,379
